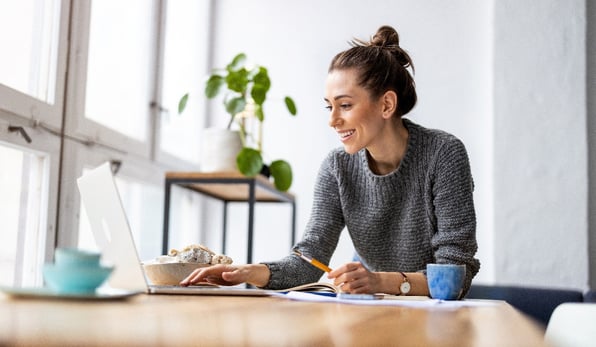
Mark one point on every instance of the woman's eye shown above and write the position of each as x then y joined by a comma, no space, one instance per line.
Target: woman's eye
345,105
328,107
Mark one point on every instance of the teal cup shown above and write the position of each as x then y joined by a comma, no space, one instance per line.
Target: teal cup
75,272
69,257
445,281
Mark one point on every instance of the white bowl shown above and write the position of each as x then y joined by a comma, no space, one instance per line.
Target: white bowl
170,273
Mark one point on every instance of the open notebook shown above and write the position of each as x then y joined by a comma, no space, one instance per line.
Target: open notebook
112,233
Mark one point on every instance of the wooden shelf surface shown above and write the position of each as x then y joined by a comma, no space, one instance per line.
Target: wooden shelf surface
231,186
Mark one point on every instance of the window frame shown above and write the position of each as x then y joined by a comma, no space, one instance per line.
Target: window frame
72,141
77,125
48,144
31,108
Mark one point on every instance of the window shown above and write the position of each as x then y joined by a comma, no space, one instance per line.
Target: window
32,66
23,208
121,62
120,65
29,33
184,71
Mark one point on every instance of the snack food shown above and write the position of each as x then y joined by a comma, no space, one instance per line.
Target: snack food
194,253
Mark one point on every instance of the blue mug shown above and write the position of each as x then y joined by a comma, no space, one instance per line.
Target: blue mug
445,281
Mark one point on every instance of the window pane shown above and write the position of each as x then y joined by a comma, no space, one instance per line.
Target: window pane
143,205
119,78
29,36
23,208
184,71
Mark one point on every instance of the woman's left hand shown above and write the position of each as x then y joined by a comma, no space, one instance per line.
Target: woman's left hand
355,278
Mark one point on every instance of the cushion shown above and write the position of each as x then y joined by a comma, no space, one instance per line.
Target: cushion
537,303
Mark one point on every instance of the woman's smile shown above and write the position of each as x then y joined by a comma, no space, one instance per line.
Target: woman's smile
345,135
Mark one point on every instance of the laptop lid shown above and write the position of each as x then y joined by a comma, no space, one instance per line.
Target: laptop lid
110,228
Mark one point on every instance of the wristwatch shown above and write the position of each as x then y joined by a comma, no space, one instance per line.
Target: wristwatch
404,287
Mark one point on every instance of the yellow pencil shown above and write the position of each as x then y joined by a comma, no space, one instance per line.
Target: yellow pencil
314,262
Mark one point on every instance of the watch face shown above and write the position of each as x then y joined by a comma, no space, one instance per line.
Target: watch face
405,287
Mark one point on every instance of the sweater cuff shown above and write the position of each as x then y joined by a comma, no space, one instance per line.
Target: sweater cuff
274,281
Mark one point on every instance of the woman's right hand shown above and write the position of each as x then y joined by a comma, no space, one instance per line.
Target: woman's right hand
229,275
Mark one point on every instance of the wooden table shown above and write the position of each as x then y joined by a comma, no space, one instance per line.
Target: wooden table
227,187
160,320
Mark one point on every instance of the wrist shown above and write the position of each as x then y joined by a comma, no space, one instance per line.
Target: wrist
258,274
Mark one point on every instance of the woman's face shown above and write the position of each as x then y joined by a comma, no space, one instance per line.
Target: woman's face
355,116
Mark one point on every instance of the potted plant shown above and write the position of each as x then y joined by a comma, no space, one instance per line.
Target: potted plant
245,92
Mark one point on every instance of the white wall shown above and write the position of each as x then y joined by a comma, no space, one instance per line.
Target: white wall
540,143
520,114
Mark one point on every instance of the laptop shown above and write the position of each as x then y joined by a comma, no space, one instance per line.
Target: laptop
114,239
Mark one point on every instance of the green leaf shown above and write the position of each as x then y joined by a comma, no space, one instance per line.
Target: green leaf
262,79
258,94
182,103
281,171
238,61
259,113
249,161
290,105
213,86
238,80
235,105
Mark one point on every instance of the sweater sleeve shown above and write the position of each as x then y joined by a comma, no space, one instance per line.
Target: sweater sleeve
320,237
452,190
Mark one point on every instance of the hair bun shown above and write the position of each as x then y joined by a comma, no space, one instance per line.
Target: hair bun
387,37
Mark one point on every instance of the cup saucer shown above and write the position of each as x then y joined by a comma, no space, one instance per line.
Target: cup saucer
75,279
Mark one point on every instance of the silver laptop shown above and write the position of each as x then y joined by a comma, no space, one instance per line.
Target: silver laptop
112,233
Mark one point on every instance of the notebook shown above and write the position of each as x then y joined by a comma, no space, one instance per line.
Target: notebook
113,236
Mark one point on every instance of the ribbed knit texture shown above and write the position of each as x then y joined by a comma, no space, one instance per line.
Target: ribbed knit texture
421,213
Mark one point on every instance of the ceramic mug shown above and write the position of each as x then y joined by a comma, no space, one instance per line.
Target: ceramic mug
72,257
445,281
75,272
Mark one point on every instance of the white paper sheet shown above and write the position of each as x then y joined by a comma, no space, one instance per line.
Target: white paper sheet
419,302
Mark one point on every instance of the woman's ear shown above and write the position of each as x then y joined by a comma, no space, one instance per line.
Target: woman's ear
389,100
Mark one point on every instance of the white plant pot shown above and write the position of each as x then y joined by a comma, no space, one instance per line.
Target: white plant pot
219,149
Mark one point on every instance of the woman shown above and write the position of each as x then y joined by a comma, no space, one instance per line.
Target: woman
403,192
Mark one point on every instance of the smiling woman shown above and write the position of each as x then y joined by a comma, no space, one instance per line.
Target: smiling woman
388,171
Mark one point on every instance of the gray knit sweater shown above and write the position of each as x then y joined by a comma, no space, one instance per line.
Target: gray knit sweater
421,213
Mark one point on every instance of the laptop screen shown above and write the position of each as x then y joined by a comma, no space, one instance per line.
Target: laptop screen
110,228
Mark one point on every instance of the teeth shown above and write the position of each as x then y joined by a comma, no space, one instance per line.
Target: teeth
343,134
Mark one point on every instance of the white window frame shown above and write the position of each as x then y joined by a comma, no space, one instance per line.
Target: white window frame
197,89
48,144
32,109
78,125
71,141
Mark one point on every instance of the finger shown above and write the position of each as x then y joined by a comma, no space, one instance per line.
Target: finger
359,286
187,280
349,275
340,270
194,277
200,275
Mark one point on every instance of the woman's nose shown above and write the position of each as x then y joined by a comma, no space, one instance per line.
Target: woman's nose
334,120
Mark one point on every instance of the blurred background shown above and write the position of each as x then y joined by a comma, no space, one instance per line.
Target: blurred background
82,83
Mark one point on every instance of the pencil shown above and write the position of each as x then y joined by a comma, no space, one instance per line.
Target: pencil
314,262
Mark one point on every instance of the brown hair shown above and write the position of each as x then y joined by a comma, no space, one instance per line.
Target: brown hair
383,65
